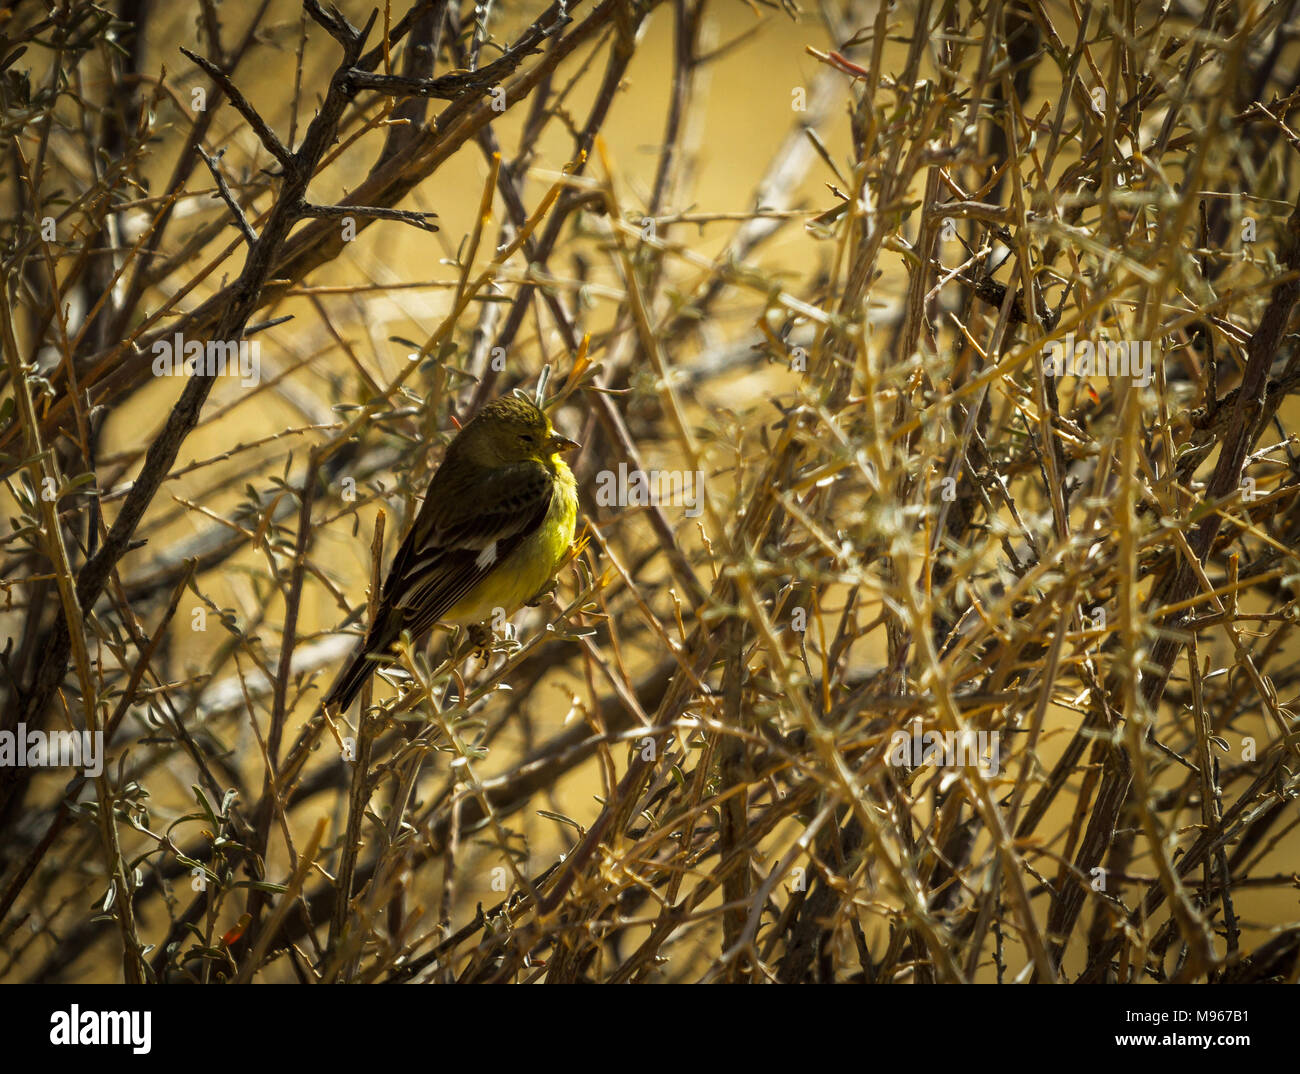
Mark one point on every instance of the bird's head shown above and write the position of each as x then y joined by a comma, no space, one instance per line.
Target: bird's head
510,430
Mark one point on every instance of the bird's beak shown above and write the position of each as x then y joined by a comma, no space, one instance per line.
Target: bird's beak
562,443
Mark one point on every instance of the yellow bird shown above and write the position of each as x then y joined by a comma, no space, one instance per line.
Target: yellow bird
496,522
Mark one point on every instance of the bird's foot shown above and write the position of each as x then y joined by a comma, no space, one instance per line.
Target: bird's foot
480,639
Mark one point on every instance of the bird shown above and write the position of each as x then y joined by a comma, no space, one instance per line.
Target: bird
496,522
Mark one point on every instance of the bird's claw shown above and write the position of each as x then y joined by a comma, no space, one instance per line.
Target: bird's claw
480,640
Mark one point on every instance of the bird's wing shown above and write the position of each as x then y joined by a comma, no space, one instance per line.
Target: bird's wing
460,537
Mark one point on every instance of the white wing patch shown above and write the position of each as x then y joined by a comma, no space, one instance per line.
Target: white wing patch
487,557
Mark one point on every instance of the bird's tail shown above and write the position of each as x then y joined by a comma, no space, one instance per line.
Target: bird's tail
376,649
361,664
354,675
